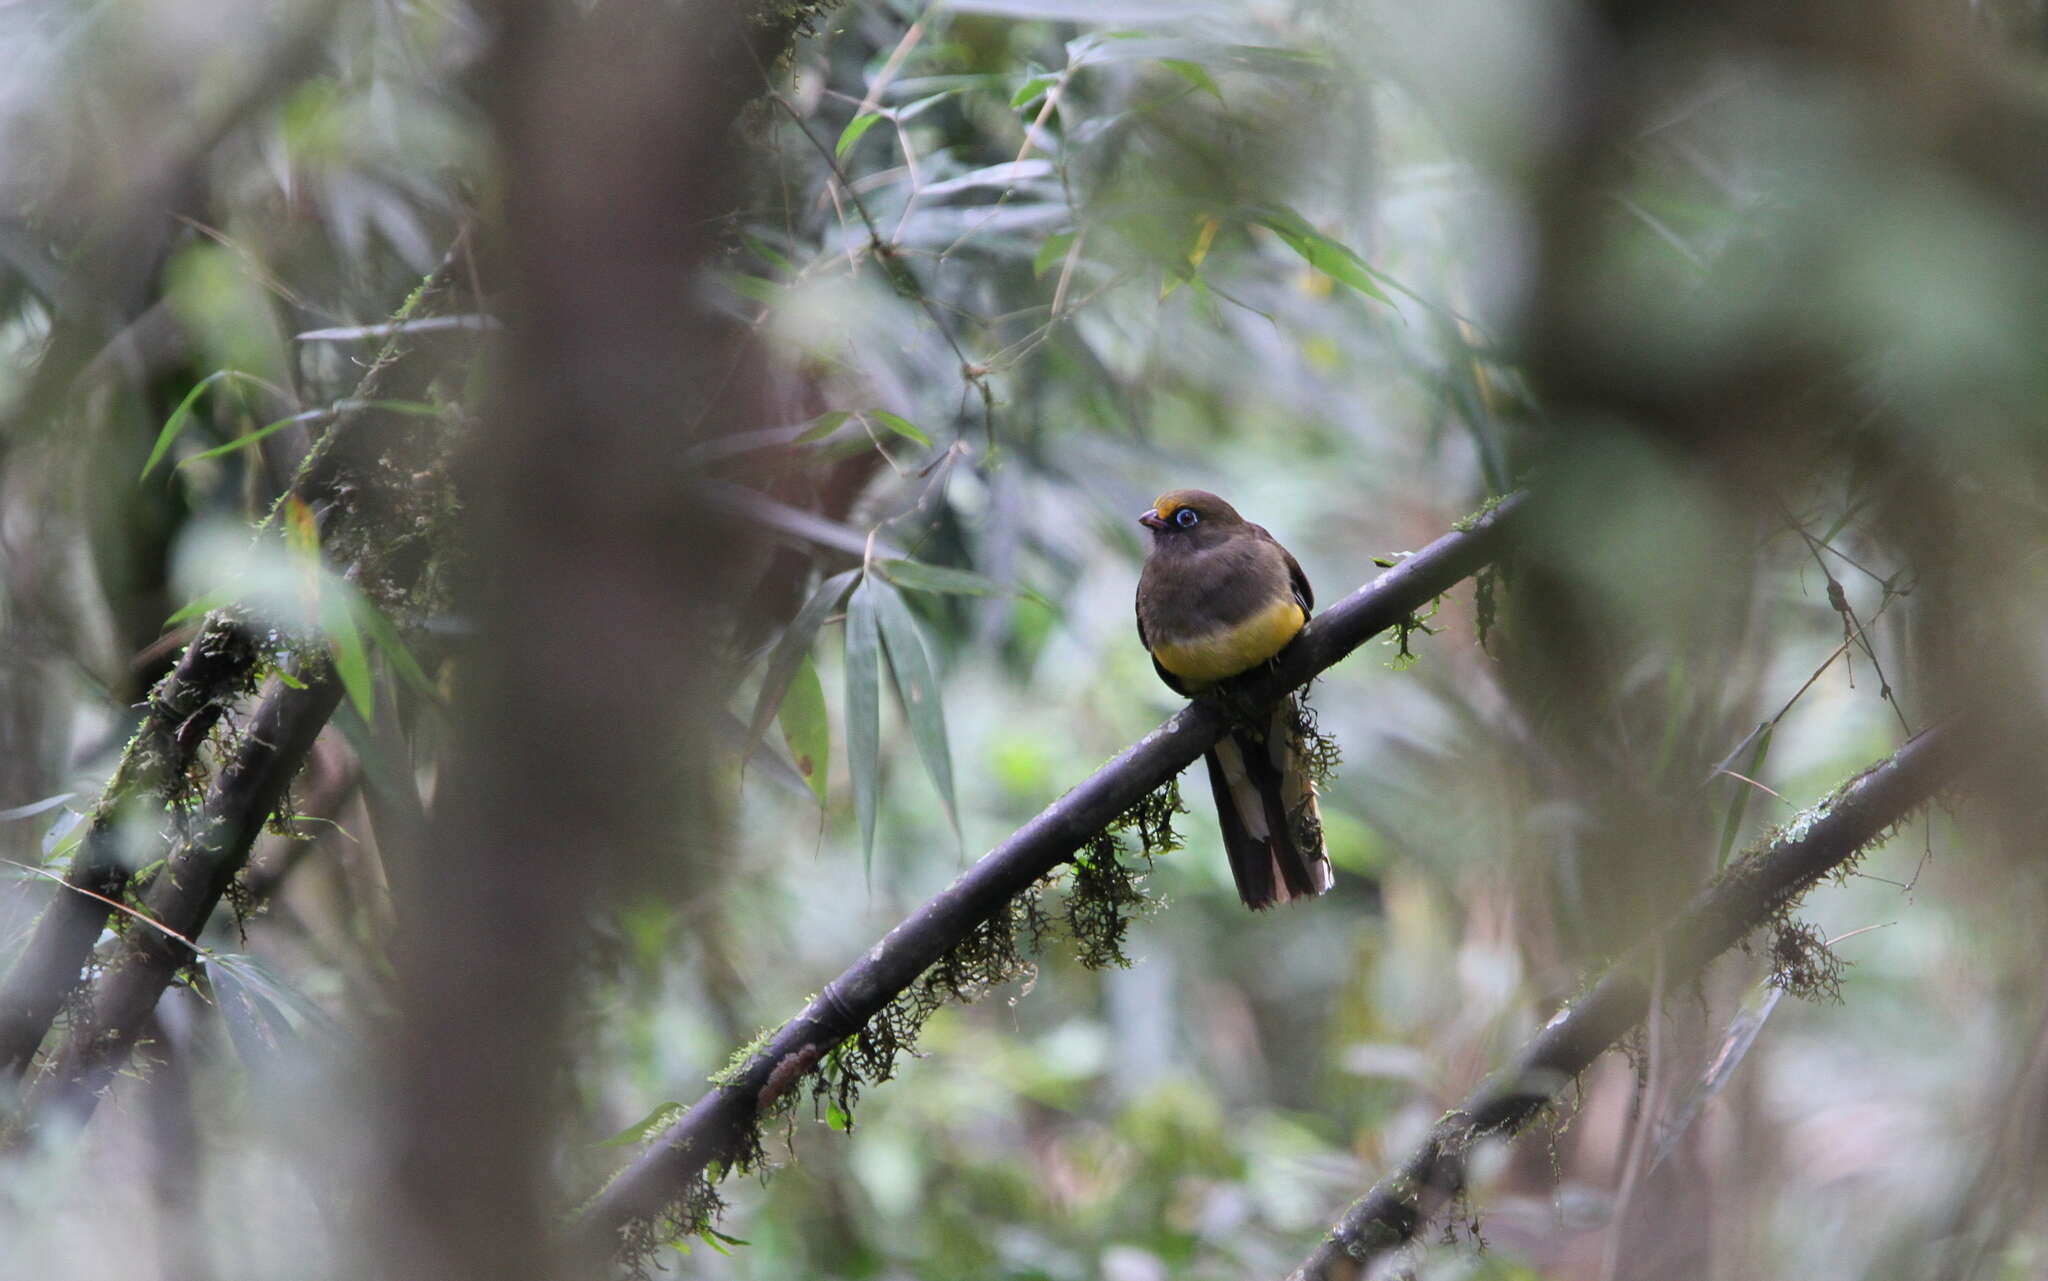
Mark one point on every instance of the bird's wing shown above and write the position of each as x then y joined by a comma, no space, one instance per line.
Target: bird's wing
1302,591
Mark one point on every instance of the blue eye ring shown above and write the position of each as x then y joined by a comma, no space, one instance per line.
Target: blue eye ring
1185,517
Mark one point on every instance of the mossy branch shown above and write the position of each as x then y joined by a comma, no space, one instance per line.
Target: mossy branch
182,711
160,765
1757,891
180,898
672,1181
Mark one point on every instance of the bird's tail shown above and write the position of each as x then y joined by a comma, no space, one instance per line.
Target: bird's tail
1266,804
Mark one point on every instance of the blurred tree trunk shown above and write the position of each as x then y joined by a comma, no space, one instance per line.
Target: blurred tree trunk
597,588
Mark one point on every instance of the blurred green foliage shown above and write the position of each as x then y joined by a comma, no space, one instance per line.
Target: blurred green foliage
1016,266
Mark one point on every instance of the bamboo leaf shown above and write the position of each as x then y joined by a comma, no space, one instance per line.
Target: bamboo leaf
34,808
182,415
1195,74
663,1116
243,442
285,1008
1054,249
1334,260
1735,1043
754,287
822,426
766,253
856,128
1738,805
206,604
790,652
351,656
64,835
918,687
384,634
1031,90
176,422
920,577
805,728
901,426
864,712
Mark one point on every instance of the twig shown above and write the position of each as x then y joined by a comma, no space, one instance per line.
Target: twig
716,1126
115,904
1639,1136
1750,894
975,374
890,68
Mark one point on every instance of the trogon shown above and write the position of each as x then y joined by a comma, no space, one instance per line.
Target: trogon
1219,596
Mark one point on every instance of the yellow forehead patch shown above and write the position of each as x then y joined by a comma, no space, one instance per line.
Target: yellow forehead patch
1169,503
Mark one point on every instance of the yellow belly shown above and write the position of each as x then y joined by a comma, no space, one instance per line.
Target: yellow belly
1202,660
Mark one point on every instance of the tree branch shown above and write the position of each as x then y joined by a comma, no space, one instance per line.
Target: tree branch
1752,893
718,1126
180,897
214,672
182,711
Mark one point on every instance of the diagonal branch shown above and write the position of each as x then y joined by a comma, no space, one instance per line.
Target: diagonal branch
215,671
1752,893
180,898
181,713
713,1132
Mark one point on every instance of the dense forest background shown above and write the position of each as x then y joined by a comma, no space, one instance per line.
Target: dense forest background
532,535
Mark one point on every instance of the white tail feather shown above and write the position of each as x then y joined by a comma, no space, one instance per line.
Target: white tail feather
1251,811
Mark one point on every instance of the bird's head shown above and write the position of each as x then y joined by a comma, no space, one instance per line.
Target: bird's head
1191,518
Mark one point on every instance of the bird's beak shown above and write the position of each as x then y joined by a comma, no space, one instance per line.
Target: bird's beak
1151,519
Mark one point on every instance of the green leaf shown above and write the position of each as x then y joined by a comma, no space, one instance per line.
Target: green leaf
805,728
864,712
918,687
823,425
292,1008
1195,74
176,422
766,253
718,1240
204,605
1053,250
855,129
351,656
34,808
385,634
1322,253
663,1116
754,287
1031,89
920,577
64,835
901,426
838,1118
1738,804
791,651
243,442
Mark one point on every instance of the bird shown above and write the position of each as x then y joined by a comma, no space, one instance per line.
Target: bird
1218,596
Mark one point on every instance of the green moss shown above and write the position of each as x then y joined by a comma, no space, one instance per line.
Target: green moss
1467,524
1406,629
1485,606
737,1064
1102,899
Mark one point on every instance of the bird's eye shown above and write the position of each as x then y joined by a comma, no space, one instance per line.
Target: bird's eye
1185,517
